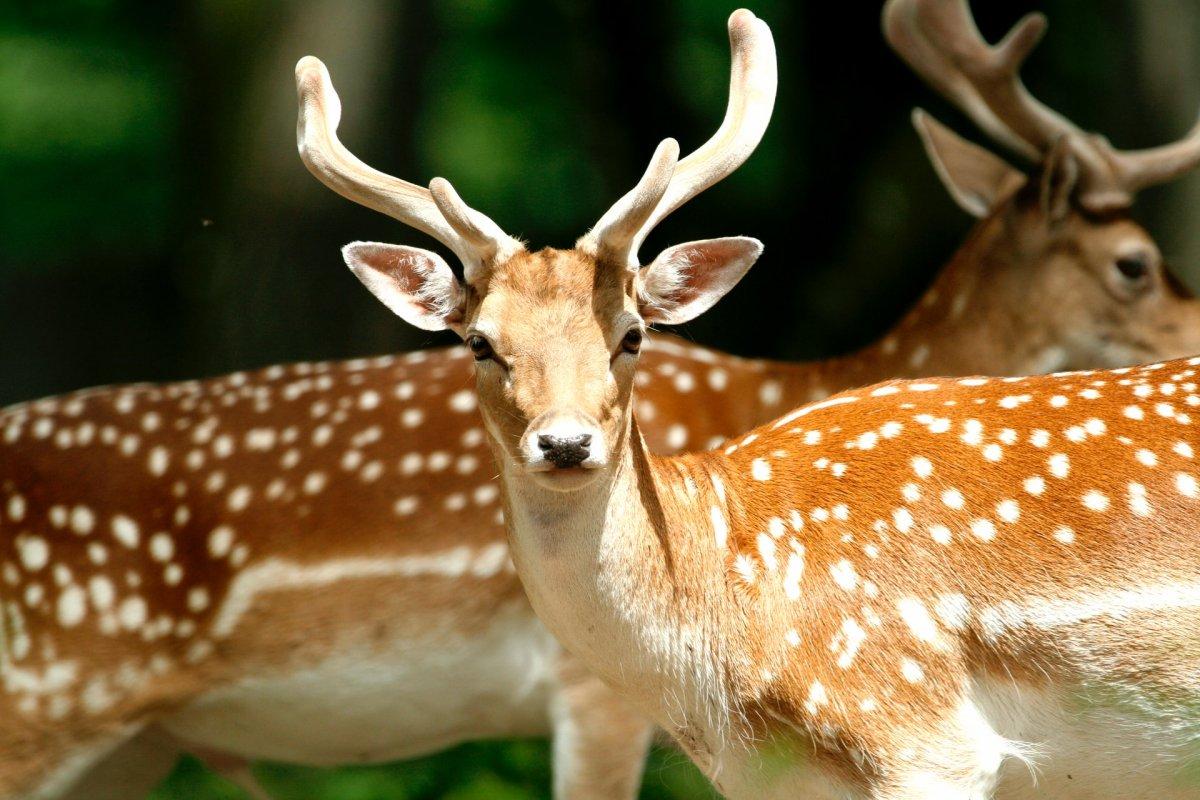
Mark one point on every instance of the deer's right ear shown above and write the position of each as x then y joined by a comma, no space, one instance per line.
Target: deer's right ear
975,178
417,285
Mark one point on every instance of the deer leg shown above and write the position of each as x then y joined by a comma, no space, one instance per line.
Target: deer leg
234,769
130,772
599,741
244,779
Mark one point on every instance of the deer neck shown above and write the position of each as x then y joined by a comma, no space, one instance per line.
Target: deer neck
962,325
625,574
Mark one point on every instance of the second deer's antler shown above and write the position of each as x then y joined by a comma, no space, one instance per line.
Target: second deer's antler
940,41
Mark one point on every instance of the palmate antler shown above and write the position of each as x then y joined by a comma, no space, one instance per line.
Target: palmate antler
940,41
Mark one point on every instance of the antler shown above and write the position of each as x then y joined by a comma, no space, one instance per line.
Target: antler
623,228
940,41
441,213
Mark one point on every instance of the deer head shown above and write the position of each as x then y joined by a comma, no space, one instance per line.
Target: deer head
554,332
1060,233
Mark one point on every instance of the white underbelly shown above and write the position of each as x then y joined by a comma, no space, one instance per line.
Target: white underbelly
409,697
1078,747
1093,748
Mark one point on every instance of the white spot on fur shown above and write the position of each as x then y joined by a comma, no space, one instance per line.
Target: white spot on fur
720,526
125,531
847,642
72,606
911,671
918,620
33,552
953,499
220,541
1139,504
1094,500
760,469
922,466
844,575
1059,464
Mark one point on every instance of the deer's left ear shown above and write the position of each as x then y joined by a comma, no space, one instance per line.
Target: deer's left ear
687,279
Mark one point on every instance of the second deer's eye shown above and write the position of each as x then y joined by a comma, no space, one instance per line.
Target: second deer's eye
1133,267
632,342
481,348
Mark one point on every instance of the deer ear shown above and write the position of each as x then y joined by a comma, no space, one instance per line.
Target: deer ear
687,279
975,178
1060,177
415,284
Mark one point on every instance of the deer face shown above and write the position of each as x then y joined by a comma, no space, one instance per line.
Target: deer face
1094,284
1088,287
1118,303
555,335
555,340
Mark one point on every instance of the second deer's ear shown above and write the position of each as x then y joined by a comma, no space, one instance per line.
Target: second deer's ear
687,279
417,285
975,178
1060,177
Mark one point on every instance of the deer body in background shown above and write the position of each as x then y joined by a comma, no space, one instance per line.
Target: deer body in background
308,563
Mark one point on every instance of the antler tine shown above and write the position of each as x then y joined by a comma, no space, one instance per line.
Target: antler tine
1139,169
614,234
752,85
490,243
473,237
903,33
940,41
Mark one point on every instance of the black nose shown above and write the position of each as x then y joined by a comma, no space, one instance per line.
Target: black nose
565,451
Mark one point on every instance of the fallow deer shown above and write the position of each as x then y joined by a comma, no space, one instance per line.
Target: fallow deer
940,588
427,513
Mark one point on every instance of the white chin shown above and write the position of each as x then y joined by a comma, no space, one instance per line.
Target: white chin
564,480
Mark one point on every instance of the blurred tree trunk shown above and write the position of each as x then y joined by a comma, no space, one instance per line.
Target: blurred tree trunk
1168,56
356,41
256,188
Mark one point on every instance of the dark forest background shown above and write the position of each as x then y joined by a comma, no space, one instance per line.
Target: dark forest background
156,223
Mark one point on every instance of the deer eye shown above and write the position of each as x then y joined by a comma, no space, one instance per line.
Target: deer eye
481,348
1133,267
632,341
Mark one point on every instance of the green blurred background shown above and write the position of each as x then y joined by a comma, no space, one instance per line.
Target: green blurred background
156,223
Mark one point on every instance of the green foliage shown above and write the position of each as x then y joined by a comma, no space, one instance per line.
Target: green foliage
79,111
478,771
